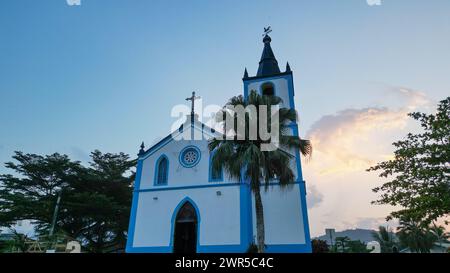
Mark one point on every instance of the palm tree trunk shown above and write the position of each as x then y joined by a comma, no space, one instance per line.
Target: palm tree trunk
260,233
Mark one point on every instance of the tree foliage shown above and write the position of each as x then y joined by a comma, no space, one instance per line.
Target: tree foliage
386,238
420,170
95,200
346,245
319,246
415,235
244,159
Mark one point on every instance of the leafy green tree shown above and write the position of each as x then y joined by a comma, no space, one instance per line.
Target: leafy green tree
356,246
319,246
32,194
415,235
341,244
19,242
346,245
16,242
386,238
97,205
244,160
95,200
419,172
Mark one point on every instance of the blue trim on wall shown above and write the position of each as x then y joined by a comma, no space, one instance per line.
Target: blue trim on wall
174,217
158,145
210,176
156,171
304,212
246,228
134,206
180,156
290,81
287,248
291,248
246,216
287,77
269,78
228,184
204,129
209,185
302,185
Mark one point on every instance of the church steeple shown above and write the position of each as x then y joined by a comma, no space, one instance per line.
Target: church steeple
268,64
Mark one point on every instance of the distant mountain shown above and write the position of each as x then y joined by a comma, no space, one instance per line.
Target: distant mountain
364,235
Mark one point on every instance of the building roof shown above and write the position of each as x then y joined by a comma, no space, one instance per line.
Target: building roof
268,65
192,122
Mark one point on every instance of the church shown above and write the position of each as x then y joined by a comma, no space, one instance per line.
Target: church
180,206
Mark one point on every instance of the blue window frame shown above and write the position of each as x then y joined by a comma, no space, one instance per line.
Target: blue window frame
189,156
214,176
161,171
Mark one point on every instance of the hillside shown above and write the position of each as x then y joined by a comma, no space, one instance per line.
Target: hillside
364,235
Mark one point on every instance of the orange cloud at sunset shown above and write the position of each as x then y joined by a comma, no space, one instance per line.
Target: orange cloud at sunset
345,144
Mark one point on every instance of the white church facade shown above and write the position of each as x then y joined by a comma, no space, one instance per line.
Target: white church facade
180,205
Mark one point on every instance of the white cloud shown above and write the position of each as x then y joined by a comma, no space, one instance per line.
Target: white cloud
314,197
348,140
345,144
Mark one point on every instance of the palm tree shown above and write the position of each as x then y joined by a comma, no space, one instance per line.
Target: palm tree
20,241
245,161
386,238
415,235
439,233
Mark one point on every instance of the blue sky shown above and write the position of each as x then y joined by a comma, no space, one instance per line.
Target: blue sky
105,75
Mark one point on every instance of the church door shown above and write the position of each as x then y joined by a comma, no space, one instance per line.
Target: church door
185,240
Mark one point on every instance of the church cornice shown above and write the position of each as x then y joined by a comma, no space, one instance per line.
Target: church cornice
267,76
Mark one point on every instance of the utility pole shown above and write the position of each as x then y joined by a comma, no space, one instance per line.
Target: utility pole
55,213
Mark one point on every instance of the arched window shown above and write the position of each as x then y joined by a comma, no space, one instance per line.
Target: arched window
162,171
214,176
267,89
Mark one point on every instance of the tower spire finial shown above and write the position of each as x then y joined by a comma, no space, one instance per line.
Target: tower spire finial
142,150
245,73
288,67
267,30
268,64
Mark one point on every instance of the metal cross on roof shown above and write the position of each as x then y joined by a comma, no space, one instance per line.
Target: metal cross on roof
192,99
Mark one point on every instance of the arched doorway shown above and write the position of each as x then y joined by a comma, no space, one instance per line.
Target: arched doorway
185,235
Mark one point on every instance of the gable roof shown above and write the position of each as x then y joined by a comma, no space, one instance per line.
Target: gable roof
191,123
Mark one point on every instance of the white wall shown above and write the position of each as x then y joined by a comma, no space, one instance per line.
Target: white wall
219,215
281,89
282,215
179,176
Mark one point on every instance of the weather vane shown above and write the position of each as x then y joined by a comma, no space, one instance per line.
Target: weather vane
267,30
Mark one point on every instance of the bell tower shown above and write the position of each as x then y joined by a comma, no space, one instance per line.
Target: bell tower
269,80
